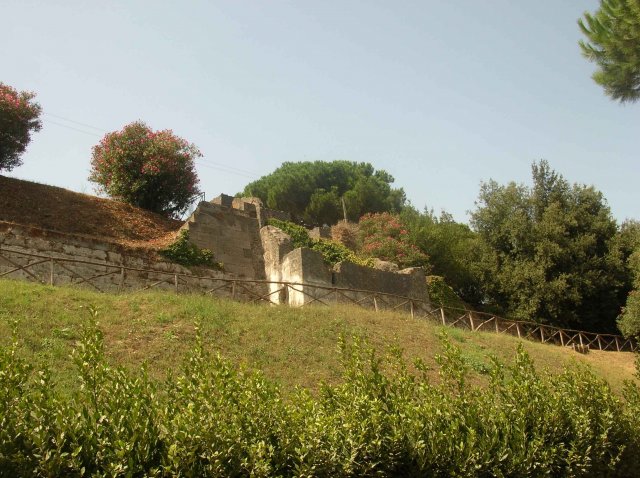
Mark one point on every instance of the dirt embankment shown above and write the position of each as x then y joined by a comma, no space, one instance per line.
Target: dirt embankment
53,208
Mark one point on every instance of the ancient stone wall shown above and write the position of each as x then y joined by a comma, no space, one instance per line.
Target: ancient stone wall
232,234
102,266
276,244
304,266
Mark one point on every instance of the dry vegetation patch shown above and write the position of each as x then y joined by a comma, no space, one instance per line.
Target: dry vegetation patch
53,208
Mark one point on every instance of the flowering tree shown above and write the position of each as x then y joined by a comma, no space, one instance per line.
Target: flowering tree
19,116
383,235
154,170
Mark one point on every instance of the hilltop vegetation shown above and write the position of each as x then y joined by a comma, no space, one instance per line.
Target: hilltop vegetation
549,253
313,192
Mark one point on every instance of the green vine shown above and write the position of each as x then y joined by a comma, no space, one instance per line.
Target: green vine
184,252
332,252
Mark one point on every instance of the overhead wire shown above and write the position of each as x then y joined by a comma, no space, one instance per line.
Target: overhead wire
202,161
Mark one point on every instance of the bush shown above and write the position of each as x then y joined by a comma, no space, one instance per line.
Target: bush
384,236
154,170
214,419
19,116
184,252
442,294
332,252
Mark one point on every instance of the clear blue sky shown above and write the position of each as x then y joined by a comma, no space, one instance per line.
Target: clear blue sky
443,95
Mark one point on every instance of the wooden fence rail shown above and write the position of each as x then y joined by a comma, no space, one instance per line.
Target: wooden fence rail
42,269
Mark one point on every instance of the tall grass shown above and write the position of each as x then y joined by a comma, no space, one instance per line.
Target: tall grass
385,418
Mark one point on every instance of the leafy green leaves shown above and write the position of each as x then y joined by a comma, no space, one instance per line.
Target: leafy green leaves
613,34
184,252
314,191
215,419
332,252
545,251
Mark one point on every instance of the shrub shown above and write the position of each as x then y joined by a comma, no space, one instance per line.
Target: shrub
154,170
442,294
19,116
215,419
384,236
332,252
183,251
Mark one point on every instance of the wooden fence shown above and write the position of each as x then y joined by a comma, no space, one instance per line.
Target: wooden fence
47,270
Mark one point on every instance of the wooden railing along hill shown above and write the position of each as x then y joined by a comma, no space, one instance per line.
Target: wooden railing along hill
46,269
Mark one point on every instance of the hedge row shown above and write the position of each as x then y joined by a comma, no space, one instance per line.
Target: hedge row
386,418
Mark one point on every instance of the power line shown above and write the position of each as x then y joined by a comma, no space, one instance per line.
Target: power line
75,129
239,170
223,169
204,162
102,130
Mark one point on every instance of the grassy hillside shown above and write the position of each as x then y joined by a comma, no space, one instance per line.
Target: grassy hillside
292,346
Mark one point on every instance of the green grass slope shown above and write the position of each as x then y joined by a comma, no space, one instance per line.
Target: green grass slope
295,347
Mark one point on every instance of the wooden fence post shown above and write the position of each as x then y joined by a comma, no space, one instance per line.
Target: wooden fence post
51,271
495,319
175,282
121,279
375,303
518,328
561,338
599,343
444,322
471,322
411,306
617,344
542,334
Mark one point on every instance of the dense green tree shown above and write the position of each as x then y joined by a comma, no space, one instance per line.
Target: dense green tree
313,191
629,249
546,252
19,117
613,43
452,248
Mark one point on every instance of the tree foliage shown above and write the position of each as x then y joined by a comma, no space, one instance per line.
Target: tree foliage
313,191
19,117
613,43
546,254
452,248
384,418
629,247
154,170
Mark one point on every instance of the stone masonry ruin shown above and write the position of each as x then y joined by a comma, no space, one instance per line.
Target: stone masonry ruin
236,231
260,262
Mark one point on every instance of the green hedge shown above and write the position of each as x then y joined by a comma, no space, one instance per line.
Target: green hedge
214,419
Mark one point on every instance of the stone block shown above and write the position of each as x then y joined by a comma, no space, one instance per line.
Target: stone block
304,266
407,283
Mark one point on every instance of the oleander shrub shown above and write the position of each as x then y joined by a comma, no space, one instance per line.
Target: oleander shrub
154,170
19,117
385,236
386,418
